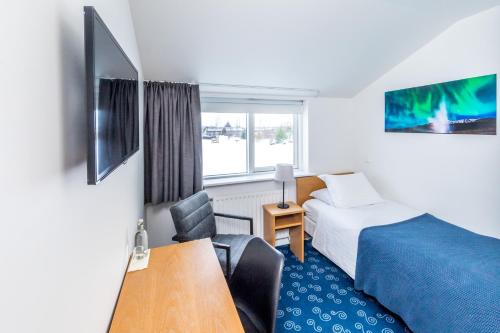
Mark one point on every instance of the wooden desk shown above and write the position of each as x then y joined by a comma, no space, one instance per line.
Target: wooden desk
182,290
292,218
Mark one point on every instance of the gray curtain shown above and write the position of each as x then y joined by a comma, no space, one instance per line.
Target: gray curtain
172,141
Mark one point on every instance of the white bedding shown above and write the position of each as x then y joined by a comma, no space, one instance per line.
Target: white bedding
338,229
309,225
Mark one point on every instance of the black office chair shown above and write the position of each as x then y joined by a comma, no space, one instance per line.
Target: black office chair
194,218
255,286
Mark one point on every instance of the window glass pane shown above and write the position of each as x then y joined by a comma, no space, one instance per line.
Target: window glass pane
273,139
224,143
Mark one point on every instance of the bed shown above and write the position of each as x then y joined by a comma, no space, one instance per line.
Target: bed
436,276
337,237
335,231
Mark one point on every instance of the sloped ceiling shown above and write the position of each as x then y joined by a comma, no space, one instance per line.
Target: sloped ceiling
335,46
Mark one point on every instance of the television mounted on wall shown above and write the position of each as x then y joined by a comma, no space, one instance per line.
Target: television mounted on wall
112,100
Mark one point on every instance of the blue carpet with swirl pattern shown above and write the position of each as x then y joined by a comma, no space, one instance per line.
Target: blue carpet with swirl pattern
317,296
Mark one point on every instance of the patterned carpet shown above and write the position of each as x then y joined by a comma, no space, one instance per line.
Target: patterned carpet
317,296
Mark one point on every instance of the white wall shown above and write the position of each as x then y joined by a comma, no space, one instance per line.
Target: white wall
330,134
456,177
64,244
326,150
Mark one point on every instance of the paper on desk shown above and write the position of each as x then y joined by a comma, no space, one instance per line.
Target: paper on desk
138,264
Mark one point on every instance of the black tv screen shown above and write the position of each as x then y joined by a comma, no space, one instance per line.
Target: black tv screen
112,100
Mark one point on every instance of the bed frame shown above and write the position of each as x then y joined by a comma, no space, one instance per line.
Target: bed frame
308,184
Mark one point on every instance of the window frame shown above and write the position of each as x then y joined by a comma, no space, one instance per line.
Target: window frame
250,144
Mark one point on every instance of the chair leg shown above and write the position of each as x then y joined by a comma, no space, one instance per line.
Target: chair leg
228,264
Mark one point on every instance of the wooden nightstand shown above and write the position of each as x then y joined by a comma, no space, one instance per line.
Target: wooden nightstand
292,218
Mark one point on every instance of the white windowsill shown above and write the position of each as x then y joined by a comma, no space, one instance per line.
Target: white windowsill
261,177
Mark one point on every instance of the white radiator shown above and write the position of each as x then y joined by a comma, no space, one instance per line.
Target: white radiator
247,204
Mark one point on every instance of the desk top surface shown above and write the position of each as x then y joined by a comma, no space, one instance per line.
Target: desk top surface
182,290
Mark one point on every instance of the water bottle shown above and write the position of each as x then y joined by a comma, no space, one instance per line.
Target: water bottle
141,240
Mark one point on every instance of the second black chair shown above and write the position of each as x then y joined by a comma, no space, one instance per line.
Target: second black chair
194,218
255,286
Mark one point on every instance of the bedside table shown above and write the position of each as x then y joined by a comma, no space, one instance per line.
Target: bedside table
291,218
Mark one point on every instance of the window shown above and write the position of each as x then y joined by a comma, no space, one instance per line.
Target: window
224,143
242,136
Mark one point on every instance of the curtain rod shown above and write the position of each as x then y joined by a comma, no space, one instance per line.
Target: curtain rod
255,87
216,88
299,91
165,81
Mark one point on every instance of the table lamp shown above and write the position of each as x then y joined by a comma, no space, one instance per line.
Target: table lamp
284,173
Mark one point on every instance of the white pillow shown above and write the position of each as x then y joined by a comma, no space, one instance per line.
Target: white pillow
352,190
323,195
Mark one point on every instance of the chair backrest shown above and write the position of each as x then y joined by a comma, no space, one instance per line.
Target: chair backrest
256,281
194,217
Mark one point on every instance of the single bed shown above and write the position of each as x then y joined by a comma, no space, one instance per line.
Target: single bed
335,231
436,276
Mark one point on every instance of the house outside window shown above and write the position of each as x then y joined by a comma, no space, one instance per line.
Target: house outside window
249,136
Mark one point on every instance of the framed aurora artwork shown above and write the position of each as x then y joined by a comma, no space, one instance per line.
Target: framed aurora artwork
467,106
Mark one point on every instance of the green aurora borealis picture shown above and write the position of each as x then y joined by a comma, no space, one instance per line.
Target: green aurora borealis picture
466,106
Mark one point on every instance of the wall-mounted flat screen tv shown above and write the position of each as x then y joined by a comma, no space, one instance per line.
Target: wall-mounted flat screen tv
112,100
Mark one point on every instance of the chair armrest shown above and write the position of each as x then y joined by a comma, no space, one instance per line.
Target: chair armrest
237,217
227,248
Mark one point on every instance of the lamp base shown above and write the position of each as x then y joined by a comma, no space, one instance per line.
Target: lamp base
283,205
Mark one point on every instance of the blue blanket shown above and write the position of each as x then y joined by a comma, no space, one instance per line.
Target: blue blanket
438,277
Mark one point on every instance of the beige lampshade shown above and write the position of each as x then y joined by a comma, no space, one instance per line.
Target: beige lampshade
284,172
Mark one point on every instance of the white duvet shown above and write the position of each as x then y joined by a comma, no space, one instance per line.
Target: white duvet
338,229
